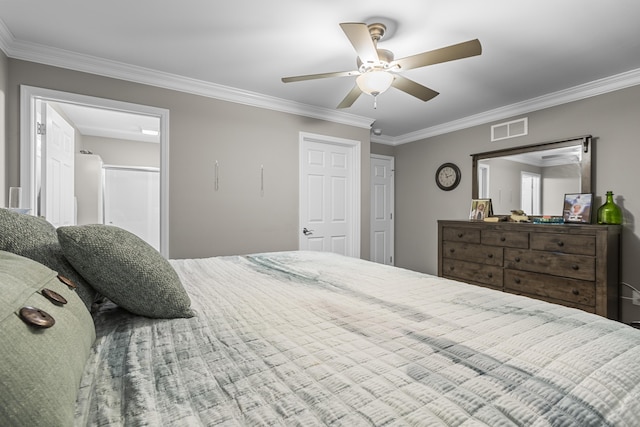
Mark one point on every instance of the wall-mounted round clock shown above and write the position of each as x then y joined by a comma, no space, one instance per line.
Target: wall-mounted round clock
448,176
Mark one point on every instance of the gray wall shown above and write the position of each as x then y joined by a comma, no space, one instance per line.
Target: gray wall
611,118
123,152
382,149
504,183
202,222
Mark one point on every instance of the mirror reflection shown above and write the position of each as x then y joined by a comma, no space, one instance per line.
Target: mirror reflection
533,178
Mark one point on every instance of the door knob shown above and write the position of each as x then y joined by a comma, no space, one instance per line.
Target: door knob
307,232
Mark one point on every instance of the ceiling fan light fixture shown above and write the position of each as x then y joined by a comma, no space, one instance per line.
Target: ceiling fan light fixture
374,82
378,71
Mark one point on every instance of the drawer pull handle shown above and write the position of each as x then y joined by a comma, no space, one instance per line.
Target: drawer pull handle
452,250
451,268
490,255
490,275
561,243
575,292
576,267
503,239
517,280
517,259
460,234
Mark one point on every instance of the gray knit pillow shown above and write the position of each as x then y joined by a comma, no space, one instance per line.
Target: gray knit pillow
125,269
35,238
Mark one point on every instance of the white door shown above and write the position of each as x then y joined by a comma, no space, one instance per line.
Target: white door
530,193
382,202
58,158
131,201
329,195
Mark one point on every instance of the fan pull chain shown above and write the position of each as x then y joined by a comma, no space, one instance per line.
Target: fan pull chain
375,101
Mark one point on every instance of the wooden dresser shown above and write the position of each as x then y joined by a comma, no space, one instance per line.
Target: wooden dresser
570,264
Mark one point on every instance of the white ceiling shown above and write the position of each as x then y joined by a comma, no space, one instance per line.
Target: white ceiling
111,123
536,53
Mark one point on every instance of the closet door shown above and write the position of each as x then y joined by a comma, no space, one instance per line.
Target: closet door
132,201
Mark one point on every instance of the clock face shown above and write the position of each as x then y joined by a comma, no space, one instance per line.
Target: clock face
448,176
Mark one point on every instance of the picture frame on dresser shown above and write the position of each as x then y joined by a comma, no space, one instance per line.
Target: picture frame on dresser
577,208
480,209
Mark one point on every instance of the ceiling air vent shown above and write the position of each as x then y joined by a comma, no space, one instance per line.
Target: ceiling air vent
510,129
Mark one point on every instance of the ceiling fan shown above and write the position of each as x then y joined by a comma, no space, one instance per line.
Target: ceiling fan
377,70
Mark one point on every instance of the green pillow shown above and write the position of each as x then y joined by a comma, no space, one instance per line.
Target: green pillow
125,269
40,369
34,237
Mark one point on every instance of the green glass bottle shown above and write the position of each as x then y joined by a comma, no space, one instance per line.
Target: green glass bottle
609,213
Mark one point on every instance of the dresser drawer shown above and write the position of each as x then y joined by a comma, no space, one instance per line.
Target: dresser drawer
470,271
472,252
508,239
572,266
461,234
564,243
550,287
575,265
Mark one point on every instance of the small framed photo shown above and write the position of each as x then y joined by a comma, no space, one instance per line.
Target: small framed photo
577,207
480,209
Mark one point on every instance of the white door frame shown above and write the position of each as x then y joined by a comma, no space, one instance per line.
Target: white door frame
391,247
484,182
28,97
354,177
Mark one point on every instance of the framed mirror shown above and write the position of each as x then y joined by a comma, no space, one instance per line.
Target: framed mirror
533,178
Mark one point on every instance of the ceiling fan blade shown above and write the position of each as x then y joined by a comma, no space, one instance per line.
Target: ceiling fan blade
359,36
449,53
413,88
350,98
320,76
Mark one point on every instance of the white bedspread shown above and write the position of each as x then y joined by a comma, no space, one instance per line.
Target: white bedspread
314,339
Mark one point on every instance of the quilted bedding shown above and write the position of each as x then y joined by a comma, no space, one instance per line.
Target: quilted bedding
315,339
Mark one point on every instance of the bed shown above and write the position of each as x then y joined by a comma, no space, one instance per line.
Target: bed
314,339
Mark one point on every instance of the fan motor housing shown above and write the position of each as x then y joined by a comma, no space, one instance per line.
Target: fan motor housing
385,56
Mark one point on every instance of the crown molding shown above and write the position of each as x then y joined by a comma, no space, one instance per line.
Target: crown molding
383,139
6,38
90,64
